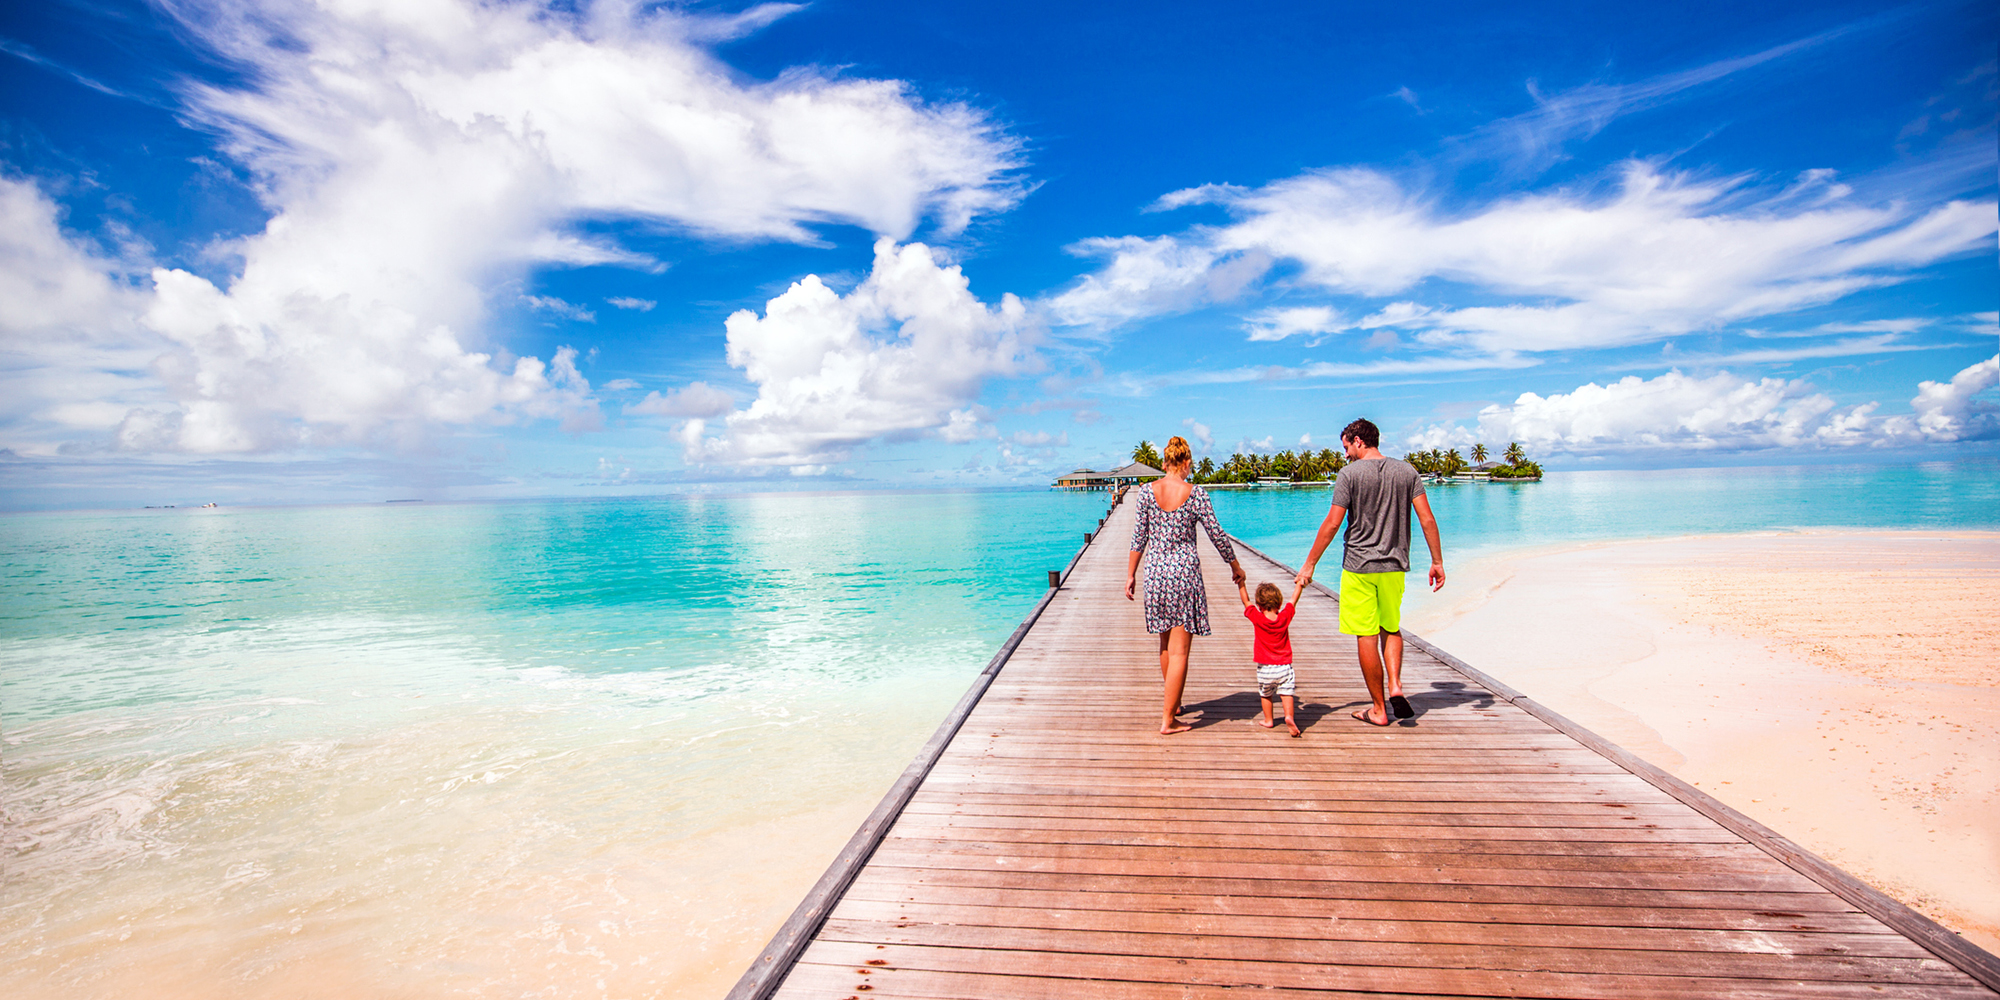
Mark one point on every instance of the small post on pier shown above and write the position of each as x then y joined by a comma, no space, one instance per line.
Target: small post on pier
1055,578
1087,536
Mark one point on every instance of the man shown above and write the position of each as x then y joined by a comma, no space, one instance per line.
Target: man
1375,494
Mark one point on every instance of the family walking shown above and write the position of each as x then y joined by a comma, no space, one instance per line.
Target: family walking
1374,495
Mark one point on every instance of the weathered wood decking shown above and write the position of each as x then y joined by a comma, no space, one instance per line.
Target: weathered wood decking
1058,847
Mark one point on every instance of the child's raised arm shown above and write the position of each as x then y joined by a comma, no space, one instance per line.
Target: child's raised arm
1296,591
1243,592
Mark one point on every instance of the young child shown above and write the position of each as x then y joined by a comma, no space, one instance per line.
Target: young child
1271,616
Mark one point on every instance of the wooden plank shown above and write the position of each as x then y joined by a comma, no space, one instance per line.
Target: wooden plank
1540,914
1171,974
1417,961
1598,936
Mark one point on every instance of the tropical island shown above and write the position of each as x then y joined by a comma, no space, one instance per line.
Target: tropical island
1307,467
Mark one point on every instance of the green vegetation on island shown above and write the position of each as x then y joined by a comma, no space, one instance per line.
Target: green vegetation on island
1307,466
1513,464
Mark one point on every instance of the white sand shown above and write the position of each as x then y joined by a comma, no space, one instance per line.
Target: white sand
1841,687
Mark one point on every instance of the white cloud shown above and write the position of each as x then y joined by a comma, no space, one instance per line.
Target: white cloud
556,306
1150,277
1277,324
1664,254
420,157
627,302
696,399
73,356
1886,343
1950,411
1039,439
1204,437
1723,413
903,354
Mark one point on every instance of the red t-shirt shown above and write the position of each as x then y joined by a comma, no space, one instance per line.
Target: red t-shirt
1274,638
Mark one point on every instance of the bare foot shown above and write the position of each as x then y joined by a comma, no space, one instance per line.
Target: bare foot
1368,715
1293,726
1177,727
1267,724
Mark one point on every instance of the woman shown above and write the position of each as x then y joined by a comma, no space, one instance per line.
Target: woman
1176,604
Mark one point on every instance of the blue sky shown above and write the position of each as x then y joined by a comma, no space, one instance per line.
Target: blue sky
263,250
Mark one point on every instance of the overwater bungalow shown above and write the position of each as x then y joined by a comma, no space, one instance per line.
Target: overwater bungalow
1085,479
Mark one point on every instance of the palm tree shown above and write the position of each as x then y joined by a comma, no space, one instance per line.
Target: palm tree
1146,455
1478,453
1453,461
1514,454
1206,471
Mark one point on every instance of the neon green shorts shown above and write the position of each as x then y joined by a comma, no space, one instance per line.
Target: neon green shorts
1371,602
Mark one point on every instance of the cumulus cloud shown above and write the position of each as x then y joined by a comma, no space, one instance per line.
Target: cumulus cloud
1723,413
1951,411
419,158
72,352
902,355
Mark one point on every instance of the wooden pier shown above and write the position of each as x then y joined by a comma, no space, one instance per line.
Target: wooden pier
1048,843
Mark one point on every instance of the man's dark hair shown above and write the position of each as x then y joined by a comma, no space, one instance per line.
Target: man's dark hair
1364,432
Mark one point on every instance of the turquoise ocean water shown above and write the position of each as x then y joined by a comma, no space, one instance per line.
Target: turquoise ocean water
570,748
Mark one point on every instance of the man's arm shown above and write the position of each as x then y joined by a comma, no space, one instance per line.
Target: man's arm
1327,529
1423,505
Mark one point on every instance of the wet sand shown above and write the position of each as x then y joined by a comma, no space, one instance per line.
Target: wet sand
1841,687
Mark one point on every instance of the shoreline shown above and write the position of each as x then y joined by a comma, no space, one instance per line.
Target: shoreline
1753,666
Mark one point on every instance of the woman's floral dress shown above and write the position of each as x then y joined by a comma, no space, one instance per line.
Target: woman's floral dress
1174,594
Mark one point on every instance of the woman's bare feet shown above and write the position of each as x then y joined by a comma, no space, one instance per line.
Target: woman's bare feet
1177,727
1368,715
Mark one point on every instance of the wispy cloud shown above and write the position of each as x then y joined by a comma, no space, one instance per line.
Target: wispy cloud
27,53
1533,140
1666,254
1885,343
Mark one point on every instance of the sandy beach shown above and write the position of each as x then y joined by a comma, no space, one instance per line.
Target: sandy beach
1841,687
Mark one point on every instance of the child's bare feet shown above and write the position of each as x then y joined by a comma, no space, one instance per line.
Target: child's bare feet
1293,726
1267,724
1177,727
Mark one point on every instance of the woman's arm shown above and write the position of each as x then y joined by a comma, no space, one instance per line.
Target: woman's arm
1218,537
1142,529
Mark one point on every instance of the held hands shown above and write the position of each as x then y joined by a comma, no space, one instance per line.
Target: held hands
1437,578
1236,573
1304,578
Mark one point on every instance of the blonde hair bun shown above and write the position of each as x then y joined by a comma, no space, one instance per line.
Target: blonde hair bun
1177,452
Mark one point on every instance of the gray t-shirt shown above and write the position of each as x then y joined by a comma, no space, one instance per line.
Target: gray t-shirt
1377,493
